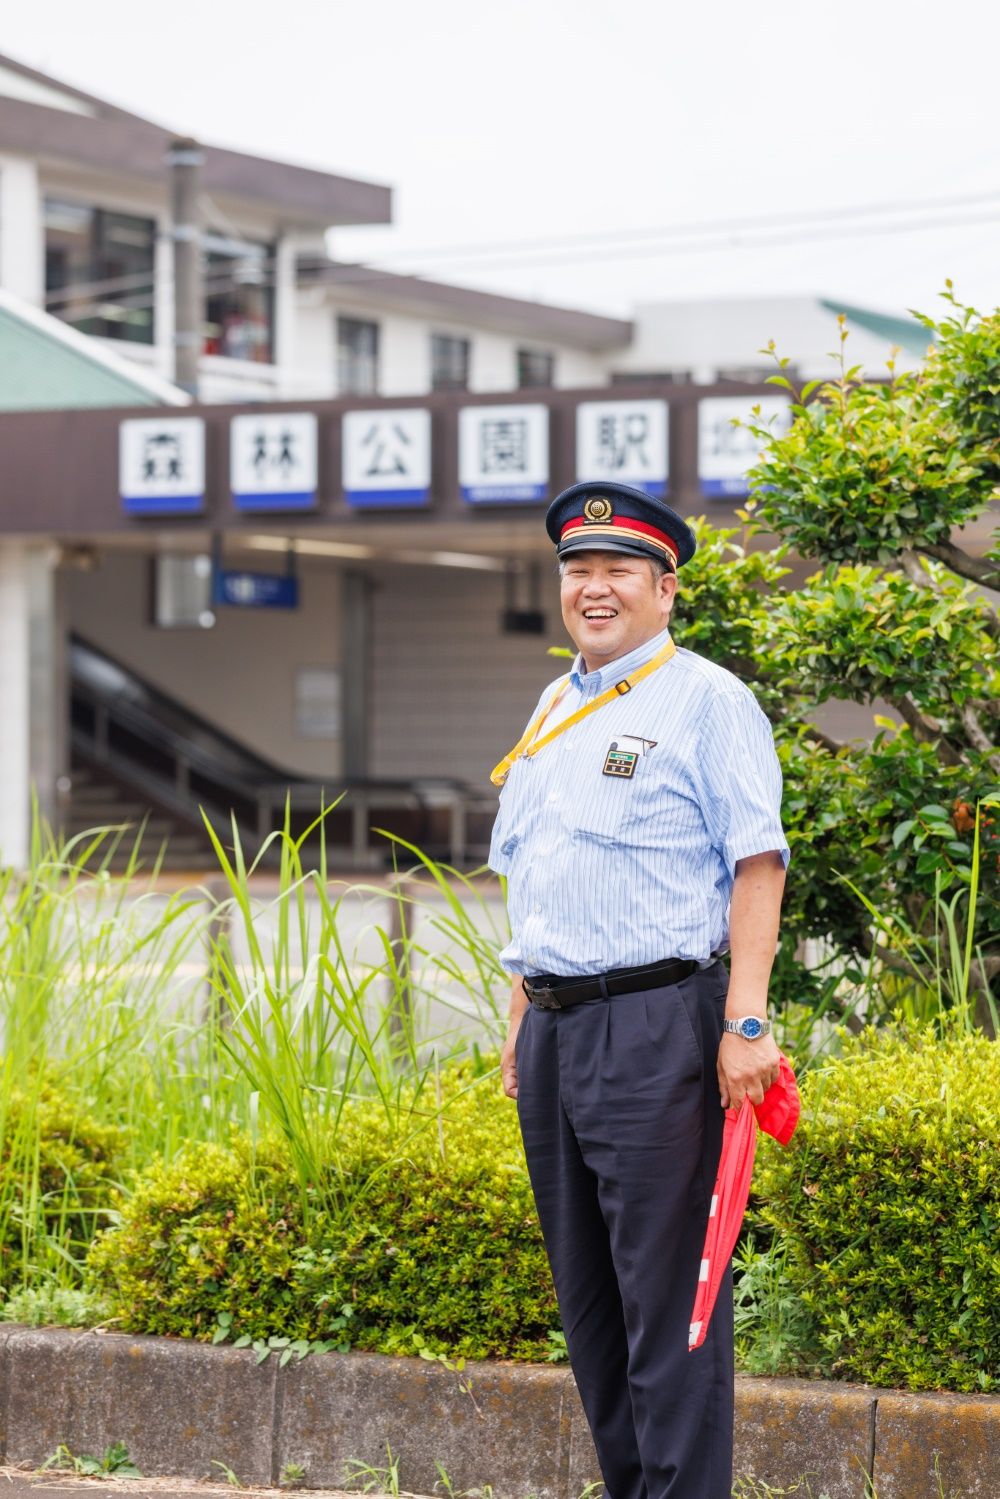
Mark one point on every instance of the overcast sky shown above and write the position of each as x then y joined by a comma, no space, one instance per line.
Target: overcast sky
574,120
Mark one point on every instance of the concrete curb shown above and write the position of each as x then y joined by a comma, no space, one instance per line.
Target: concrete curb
179,1406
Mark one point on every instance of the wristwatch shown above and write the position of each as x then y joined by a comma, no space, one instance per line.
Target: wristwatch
751,1028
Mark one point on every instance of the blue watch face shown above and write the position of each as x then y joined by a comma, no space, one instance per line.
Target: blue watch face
751,1027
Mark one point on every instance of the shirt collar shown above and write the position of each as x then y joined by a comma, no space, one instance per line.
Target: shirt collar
606,676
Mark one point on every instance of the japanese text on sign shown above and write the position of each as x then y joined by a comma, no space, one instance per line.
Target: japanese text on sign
387,457
623,440
161,465
272,461
727,449
503,453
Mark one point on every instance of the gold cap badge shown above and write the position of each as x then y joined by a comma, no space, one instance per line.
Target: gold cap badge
597,509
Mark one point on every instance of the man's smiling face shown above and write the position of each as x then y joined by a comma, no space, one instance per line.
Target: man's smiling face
611,603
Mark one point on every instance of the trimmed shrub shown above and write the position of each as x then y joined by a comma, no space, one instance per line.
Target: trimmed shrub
889,1204
437,1242
58,1170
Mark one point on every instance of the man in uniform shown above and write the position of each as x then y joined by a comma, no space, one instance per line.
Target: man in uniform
639,831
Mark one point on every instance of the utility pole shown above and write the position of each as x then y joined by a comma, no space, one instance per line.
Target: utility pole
185,158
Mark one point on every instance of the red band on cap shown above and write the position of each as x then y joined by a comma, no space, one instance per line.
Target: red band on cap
620,526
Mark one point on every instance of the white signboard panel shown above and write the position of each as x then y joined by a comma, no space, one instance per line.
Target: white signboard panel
272,461
503,454
387,458
161,465
726,452
623,440
317,702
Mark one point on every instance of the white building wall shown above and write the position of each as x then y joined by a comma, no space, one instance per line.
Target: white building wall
404,354
577,369
22,246
493,365
15,768
239,675
32,741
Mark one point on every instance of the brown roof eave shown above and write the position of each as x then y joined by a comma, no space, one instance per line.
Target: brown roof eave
538,321
130,147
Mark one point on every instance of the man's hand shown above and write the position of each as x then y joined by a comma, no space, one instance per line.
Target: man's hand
508,1067
746,1069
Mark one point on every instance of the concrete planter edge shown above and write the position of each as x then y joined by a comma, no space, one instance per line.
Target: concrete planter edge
180,1406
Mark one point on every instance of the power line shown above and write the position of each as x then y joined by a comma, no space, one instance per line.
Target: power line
712,227
337,274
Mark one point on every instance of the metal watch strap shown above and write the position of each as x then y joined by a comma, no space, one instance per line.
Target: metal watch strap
750,1027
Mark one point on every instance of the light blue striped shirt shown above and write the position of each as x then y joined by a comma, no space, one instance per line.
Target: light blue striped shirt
610,871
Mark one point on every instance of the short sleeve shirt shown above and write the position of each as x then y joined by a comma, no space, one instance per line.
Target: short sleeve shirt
619,840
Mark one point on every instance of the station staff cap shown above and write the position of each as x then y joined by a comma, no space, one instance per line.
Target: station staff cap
603,516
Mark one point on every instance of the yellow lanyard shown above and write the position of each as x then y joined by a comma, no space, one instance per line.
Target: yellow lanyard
529,744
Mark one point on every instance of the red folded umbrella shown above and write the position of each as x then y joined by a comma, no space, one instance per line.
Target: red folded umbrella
777,1115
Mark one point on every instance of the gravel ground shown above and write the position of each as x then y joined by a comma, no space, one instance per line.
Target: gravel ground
15,1482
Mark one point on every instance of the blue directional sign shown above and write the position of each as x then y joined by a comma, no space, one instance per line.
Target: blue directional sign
248,590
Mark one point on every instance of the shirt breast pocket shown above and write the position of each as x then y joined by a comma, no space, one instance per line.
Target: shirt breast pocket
608,800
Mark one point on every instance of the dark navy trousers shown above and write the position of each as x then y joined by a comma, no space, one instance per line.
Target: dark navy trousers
619,1107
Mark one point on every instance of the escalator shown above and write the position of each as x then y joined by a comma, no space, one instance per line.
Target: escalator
136,747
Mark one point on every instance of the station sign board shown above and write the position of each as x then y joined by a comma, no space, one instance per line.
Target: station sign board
272,461
727,449
387,458
161,465
625,441
503,454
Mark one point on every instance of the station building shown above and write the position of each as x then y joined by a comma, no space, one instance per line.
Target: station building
329,572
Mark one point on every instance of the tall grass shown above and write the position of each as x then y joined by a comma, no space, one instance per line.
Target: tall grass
179,1017
308,1026
88,968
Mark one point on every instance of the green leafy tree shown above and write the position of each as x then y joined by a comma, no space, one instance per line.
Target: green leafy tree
876,481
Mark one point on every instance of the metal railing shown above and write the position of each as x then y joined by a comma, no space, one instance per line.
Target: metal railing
170,754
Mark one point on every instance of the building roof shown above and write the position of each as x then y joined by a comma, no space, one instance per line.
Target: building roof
41,117
47,366
539,321
906,332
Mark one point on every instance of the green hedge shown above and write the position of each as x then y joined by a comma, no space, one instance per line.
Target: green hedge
58,1169
438,1239
889,1203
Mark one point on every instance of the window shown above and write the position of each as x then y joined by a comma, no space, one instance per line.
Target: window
449,362
357,357
99,270
535,367
239,299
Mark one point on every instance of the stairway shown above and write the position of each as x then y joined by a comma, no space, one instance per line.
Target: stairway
98,799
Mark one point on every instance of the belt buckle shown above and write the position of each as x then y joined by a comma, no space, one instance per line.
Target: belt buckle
543,998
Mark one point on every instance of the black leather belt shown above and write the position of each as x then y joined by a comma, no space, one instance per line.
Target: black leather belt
549,991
